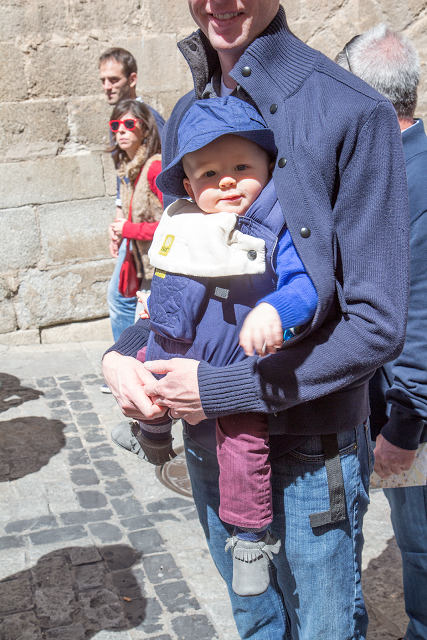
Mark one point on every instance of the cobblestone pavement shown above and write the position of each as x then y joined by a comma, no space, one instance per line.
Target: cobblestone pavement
92,545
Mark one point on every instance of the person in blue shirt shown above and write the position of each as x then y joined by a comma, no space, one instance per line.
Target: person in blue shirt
222,289
388,61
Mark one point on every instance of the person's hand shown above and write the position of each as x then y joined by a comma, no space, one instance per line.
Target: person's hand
127,378
117,227
178,390
262,331
390,459
142,298
114,248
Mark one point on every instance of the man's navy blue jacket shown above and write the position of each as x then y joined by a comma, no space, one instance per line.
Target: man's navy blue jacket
341,182
398,390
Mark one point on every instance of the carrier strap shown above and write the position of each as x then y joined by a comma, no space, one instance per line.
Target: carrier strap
337,508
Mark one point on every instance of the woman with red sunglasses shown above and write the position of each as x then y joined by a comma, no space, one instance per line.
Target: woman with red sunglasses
136,155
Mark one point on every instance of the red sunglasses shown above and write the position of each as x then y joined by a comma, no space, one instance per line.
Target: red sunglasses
129,124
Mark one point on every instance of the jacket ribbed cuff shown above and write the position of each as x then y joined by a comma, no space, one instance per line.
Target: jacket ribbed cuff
403,429
132,339
228,390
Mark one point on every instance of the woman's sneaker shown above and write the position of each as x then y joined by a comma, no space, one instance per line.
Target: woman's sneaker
251,574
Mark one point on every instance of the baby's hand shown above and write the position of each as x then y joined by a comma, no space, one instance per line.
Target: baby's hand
142,298
262,331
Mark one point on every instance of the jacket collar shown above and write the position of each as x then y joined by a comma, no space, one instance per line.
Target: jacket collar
276,52
414,140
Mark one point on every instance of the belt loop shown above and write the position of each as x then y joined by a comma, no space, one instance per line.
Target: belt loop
337,507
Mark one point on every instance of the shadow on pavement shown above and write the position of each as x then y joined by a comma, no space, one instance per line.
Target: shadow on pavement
72,594
12,394
28,443
383,591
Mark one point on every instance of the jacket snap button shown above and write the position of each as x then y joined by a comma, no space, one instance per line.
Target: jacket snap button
282,162
193,46
273,108
305,232
246,72
252,254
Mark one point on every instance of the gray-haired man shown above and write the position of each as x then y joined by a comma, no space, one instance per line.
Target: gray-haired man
398,392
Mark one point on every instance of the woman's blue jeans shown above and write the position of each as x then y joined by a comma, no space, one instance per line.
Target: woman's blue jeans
409,519
315,591
122,310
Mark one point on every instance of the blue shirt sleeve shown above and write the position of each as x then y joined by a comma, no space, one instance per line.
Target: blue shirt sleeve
295,298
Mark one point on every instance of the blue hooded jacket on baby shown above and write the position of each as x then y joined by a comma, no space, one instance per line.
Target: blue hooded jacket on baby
199,317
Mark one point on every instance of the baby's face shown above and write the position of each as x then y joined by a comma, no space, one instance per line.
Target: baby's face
227,174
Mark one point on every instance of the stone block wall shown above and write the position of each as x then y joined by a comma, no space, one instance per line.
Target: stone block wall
57,185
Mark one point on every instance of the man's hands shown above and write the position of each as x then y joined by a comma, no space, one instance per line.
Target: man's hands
178,390
262,331
127,378
390,459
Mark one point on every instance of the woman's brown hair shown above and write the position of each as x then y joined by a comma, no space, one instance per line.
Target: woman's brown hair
142,112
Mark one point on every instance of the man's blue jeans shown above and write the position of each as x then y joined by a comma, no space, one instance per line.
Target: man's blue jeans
315,591
409,519
122,310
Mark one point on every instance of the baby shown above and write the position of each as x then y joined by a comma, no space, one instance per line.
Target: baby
228,281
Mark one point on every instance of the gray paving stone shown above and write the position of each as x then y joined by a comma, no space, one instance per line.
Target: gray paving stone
73,442
76,395
33,524
84,555
52,571
145,522
130,584
168,504
15,596
145,615
53,404
127,507
46,382
71,632
78,457
52,393
162,637
94,435
119,557
81,405
91,576
106,532
84,477
64,534
83,517
147,541
72,385
101,609
88,419
161,567
11,542
190,513
91,499
21,626
60,414
176,596
118,488
195,627
109,468
55,606
101,451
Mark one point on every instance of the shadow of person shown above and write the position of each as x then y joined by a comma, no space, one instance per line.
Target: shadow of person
73,593
382,584
12,394
27,444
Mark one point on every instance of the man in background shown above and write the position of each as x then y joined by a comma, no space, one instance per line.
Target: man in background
388,61
118,73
